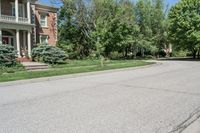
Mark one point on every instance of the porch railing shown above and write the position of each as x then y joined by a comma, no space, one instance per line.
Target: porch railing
13,19
23,20
7,18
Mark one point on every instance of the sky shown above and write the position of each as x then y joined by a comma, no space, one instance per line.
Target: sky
170,2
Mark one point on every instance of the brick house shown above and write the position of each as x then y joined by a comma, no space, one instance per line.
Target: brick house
25,23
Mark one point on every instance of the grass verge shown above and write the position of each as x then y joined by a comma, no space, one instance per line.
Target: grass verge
71,68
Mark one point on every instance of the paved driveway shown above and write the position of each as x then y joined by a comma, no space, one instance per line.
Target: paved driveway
156,99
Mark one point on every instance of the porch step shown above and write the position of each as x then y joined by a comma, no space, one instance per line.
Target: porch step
35,66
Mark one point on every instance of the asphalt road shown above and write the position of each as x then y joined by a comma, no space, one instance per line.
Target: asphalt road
157,99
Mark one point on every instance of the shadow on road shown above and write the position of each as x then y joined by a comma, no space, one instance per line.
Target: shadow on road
179,59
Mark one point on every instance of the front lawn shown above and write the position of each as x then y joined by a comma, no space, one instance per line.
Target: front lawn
5,70
72,67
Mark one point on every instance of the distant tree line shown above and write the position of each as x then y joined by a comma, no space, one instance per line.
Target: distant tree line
127,29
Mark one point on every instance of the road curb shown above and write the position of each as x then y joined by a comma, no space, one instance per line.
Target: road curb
43,79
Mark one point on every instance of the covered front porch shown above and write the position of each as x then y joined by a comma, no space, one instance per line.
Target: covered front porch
20,39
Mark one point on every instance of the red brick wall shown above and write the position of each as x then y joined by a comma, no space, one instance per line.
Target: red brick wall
50,30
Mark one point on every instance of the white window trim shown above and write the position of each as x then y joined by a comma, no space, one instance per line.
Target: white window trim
47,39
46,20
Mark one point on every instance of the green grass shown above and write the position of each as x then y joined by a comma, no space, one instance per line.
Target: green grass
71,68
17,68
80,63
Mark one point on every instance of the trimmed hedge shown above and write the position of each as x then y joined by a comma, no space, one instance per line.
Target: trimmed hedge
8,56
48,54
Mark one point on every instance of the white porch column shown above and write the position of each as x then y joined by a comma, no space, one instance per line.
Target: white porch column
18,43
29,43
17,10
1,36
29,11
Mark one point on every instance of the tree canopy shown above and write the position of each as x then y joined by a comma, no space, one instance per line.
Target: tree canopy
108,27
184,20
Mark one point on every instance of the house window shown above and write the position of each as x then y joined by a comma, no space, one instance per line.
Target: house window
13,10
43,39
43,20
21,10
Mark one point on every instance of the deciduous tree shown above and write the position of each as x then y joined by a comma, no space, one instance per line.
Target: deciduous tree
184,20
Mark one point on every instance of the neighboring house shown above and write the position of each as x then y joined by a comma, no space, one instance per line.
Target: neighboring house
24,23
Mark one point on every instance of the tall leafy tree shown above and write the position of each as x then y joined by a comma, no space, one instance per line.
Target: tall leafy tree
144,11
115,27
74,28
103,14
158,23
153,26
128,30
184,20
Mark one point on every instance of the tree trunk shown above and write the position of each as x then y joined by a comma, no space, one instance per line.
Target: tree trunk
102,61
126,53
194,54
135,55
198,54
142,52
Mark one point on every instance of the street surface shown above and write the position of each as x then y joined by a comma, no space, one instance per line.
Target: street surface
158,99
